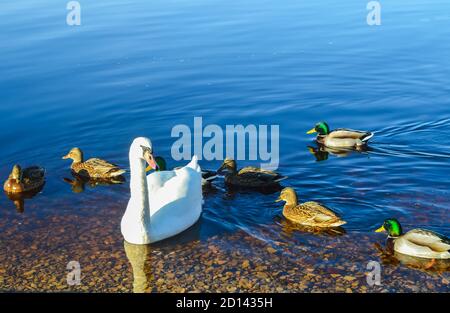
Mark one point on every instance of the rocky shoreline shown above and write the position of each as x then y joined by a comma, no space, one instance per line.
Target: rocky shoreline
36,250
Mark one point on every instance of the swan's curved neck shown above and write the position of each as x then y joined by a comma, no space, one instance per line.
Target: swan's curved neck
138,185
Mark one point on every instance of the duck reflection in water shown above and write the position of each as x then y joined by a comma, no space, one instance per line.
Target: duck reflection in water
78,183
19,199
322,152
142,263
289,228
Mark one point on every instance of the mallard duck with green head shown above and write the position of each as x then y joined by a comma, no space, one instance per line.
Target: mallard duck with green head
308,213
341,137
417,242
249,177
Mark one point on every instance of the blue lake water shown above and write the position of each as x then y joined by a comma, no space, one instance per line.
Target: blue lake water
139,68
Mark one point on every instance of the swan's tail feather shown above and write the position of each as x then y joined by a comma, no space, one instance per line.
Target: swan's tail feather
194,164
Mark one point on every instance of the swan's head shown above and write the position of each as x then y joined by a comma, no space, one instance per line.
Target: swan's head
141,148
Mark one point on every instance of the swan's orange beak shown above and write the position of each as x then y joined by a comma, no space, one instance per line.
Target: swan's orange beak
152,165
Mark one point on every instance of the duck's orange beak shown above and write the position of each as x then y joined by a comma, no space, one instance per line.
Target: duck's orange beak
66,157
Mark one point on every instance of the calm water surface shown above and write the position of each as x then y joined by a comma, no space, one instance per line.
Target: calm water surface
139,68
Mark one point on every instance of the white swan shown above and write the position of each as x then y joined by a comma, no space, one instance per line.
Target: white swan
162,204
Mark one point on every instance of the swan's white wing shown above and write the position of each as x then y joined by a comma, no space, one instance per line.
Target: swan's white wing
175,199
162,179
157,180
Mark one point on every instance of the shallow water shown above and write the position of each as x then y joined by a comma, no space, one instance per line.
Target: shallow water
141,68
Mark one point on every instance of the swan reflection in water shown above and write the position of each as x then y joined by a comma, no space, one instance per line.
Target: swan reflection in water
390,257
137,255
322,152
78,183
19,198
140,256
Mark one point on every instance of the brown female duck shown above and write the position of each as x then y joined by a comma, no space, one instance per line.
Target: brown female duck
250,177
92,168
309,213
29,179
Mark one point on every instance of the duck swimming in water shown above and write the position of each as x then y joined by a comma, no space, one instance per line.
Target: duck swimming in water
26,180
341,137
308,213
249,177
92,168
417,242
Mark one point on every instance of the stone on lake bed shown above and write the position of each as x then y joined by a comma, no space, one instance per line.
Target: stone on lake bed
271,250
